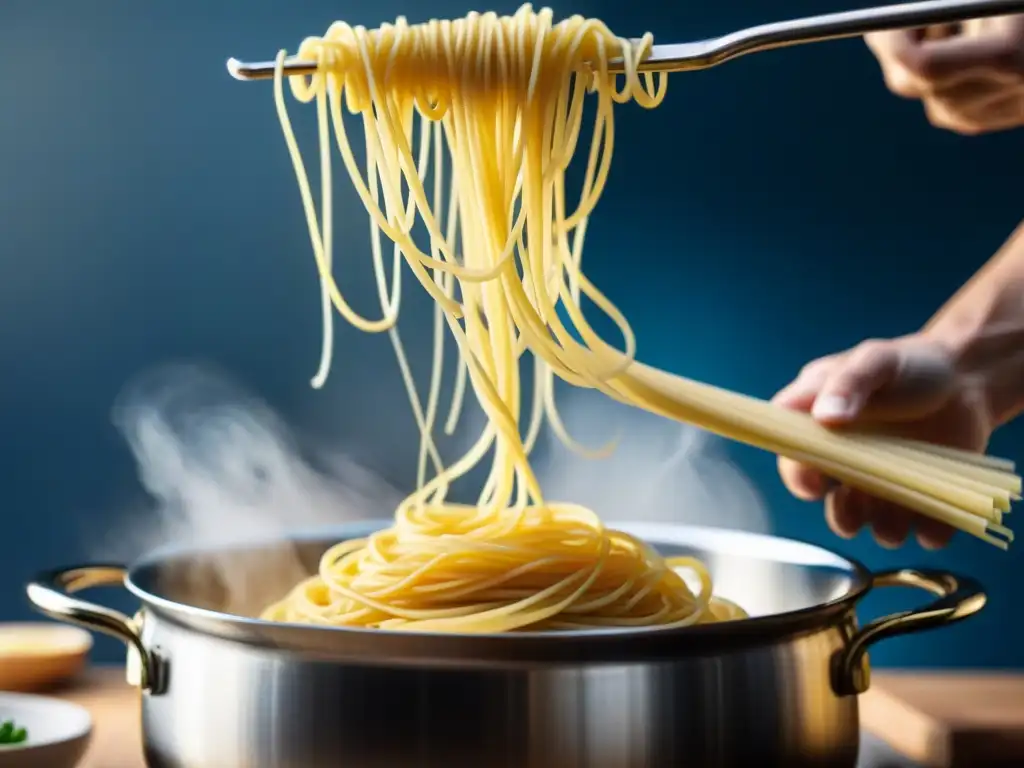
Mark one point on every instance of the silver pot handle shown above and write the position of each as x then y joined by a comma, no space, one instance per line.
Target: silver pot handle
958,598
50,593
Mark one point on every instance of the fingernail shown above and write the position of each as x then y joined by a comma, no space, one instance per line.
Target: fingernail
833,407
844,533
888,543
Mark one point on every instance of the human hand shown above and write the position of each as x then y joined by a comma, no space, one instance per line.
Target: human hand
909,386
969,78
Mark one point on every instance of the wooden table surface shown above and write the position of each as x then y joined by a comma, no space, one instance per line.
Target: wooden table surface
114,705
949,719
936,720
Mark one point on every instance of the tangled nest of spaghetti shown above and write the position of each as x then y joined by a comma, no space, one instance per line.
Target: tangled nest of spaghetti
549,568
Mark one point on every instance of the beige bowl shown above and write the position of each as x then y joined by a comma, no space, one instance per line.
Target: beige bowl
38,656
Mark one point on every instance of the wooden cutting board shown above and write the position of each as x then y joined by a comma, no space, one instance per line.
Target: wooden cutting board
948,720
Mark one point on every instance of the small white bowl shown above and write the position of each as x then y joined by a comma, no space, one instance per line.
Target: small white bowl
58,732
40,655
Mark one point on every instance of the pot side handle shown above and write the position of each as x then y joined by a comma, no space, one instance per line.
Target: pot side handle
50,593
958,598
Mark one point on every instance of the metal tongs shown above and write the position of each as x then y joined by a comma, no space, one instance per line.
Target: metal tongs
682,57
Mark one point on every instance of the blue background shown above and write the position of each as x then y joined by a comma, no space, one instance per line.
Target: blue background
781,207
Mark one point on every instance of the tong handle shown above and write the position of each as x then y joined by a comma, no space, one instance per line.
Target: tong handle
832,26
681,57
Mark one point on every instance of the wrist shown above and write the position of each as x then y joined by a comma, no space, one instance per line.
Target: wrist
988,356
982,329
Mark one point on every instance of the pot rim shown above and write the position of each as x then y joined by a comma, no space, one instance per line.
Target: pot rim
577,645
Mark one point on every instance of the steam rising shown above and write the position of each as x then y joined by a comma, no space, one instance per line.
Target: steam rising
660,471
221,467
221,464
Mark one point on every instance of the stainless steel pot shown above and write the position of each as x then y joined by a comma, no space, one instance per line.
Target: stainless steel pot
223,691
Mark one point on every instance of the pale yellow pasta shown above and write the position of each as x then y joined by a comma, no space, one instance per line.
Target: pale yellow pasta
469,127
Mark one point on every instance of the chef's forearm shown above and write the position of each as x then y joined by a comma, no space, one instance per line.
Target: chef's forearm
983,326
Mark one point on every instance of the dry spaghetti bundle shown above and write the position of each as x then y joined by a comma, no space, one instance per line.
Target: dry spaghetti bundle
468,129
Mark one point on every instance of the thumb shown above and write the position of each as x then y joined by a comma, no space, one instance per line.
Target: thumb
868,368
